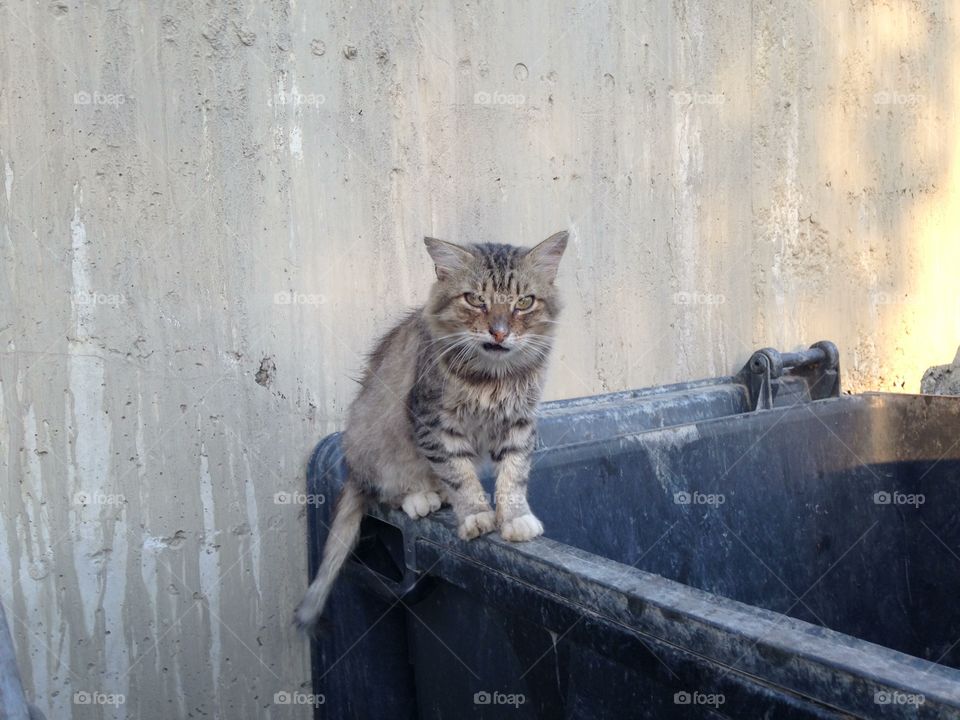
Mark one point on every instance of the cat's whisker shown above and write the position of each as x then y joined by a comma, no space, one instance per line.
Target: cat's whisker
437,359
457,362
539,355
537,344
460,335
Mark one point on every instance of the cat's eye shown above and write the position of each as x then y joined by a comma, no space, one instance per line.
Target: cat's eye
474,299
524,303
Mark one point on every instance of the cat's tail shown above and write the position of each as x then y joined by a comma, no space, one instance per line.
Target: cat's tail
343,535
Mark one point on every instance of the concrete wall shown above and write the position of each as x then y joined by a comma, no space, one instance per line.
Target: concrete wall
736,174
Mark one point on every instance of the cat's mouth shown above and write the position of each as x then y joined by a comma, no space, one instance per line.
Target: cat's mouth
494,347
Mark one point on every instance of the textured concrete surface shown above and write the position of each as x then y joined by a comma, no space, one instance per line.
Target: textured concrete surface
209,210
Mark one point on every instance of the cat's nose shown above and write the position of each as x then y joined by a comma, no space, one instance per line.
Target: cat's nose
499,331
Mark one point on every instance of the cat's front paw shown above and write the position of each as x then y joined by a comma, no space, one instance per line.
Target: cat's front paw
477,524
522,528
420,504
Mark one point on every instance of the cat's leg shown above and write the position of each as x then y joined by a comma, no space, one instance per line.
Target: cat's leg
404,479
514,518
450,457
420,503
463,490
410,483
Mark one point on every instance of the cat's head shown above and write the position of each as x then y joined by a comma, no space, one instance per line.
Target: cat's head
494,306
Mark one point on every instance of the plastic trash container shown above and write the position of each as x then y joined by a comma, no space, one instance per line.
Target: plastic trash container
796,561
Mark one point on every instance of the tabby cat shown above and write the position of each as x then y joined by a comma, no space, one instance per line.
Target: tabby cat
456,381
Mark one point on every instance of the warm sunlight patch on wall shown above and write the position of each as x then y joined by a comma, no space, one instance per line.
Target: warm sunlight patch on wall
927,326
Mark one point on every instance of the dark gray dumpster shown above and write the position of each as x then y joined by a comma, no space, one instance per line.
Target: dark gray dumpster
703,558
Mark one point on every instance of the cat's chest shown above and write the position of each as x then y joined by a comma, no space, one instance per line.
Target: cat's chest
479,409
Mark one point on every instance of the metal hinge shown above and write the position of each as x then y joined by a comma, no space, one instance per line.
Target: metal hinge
792,377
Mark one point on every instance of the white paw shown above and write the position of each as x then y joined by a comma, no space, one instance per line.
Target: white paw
520,529
420,504
477,524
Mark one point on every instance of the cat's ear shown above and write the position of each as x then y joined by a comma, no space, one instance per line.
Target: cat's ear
546,256
447,256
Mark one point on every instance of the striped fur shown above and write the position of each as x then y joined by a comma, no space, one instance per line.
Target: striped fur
456,381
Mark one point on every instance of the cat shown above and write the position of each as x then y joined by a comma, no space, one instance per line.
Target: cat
457,380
